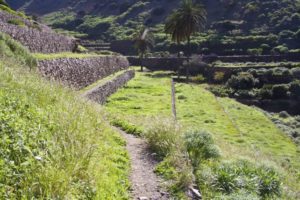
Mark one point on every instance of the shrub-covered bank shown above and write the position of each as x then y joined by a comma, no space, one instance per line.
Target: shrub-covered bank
53,144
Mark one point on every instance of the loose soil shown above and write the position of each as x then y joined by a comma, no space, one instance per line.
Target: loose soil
145,183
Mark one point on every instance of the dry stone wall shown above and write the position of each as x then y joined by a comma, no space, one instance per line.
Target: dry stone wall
102,92
36,37
79,73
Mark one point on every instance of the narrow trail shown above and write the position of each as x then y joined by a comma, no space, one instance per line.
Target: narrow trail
146,185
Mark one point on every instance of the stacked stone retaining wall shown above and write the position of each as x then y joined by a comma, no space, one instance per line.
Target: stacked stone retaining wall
79,73
36,37
100,93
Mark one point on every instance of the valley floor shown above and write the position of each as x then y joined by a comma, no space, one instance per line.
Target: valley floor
240,131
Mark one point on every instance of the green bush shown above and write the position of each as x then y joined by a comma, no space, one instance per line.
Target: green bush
198,79
255,52
219,77
245,94
16,22
242,81
295,88
220,90
266,92
280,91
200,147
281,49
163,137
296,72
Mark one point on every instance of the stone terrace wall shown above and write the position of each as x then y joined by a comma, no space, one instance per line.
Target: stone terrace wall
260,58
79,73
101,93
41,39
153,64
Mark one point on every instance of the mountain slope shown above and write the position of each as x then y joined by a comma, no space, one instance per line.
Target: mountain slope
117,20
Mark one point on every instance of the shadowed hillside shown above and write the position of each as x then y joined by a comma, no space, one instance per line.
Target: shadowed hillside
234,27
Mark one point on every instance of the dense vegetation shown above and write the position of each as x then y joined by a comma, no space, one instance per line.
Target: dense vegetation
54,145
252,158
234,27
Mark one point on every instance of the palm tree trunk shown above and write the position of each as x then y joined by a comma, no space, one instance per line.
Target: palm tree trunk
188,59
141,60
178,56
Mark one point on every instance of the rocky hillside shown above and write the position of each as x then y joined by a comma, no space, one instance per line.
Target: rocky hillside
114,20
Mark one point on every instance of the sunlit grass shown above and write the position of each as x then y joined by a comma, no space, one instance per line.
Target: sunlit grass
241,132
41,56
84,158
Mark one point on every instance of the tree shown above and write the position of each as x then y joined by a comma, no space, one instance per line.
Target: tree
143,41
188,19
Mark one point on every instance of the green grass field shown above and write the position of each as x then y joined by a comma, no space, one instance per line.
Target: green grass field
241,132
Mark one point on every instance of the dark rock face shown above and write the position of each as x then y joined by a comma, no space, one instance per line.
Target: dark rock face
79,73
102,92
36,37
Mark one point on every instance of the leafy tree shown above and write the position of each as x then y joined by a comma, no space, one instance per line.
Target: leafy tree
143,42
188,19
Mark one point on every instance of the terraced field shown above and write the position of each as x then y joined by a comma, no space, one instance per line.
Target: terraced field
241,132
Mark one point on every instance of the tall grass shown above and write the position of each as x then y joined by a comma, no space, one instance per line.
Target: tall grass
53,144
11,48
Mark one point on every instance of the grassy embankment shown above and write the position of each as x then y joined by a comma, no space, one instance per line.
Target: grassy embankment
54,144
240,131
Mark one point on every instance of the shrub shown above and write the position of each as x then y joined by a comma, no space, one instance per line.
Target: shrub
281,49
265,48
243,80
163,136
257,51
81,49
266,92
198,79
295,88
181,97
200,146
245,94
280,91
16,22
220,91
280,75
219,77
296,72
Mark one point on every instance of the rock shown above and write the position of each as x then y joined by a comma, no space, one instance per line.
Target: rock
284,114
143,198
196,193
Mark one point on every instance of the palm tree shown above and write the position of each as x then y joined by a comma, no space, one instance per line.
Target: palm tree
143,42
188,19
